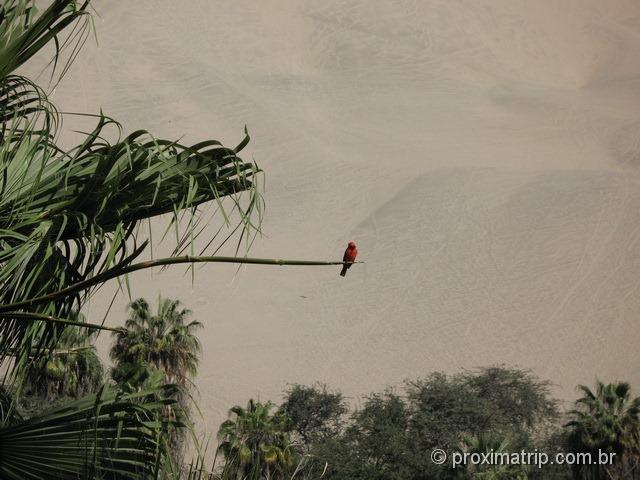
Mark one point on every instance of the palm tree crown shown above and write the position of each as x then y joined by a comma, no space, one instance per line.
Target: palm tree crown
607,419
256,442
72,369
165,341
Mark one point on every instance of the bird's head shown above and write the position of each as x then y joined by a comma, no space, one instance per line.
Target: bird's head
352,244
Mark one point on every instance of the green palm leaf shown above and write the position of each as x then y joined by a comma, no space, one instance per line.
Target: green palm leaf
107,435
23,33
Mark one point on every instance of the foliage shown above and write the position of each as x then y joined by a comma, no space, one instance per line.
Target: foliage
522,399
495,410
374,445
9,414
157,349
70,218
72,369
255,443
106,435
491,445
445,409
314,412
165,342
391,435
607,420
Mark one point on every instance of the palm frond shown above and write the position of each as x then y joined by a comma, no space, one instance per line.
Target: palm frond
107,435
23,32
68,218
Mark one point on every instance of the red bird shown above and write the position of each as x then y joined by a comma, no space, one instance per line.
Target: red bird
350,255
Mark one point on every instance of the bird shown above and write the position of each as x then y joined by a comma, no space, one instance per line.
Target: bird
350,255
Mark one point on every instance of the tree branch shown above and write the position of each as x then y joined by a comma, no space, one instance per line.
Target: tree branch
123,270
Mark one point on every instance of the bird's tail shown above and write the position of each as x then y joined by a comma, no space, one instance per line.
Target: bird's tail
344,270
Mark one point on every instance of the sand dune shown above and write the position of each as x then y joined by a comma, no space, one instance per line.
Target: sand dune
484,155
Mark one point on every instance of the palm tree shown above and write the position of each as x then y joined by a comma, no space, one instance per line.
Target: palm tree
255,443
73,369
155,350
607,420
165,341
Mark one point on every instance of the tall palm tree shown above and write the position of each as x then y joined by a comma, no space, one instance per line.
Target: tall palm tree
607,420
158,349
255,443
165,341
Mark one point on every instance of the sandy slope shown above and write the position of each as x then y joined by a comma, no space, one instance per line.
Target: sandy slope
484,156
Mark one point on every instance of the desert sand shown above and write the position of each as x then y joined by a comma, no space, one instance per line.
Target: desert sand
484,155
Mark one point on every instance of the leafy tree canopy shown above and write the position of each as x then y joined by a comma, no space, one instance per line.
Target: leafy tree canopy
314,412
392,434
